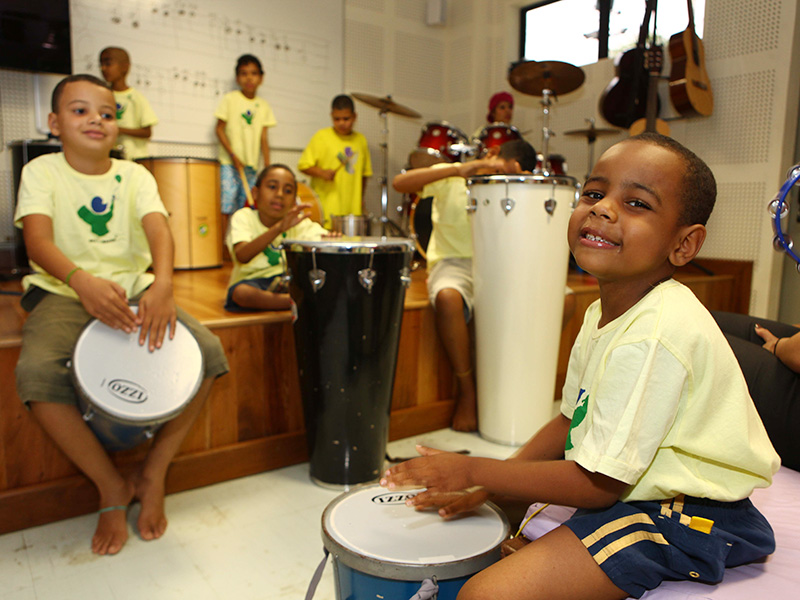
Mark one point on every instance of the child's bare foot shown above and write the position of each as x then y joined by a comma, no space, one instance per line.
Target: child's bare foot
112,526
152,521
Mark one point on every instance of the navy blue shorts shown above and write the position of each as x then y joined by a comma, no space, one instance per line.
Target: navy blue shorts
640,544
269,284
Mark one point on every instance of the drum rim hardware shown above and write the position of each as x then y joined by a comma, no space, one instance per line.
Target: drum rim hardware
367,276
352,245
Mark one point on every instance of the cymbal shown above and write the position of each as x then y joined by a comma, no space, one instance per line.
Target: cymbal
533,77
386,104
592,133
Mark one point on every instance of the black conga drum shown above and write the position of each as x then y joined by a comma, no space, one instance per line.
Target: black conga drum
349,294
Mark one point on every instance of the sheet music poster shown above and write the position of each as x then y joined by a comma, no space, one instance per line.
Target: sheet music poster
183,56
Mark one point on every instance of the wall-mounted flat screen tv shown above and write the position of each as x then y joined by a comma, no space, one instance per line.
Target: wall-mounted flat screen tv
34,36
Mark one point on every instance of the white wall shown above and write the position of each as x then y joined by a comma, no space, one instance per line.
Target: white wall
448,73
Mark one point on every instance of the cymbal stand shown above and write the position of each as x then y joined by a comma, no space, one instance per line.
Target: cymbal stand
591,139
547,133
384,145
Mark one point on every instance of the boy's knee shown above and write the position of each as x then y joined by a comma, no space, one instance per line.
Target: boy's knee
449,299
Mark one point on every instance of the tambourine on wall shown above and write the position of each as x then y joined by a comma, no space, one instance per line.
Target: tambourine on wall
779,213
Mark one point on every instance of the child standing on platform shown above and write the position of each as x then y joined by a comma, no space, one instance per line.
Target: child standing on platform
254,241
337,159
243,121
93,225
135,117
658,443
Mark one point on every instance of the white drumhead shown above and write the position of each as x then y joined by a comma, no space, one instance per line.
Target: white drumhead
130,383
374,523
350,245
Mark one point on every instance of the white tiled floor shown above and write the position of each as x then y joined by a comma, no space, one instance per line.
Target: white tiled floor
252,538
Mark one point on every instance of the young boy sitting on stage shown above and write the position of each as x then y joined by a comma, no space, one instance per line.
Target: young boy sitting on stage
257,266
92,226
449,256
658,443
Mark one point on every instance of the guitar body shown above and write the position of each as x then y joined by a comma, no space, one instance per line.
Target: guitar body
640,126
625,98
689,84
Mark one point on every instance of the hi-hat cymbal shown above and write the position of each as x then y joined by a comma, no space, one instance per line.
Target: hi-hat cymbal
592,133
386,104
533,77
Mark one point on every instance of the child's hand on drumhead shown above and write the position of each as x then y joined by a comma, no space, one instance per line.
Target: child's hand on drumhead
437,470
449,504
105,300
157,312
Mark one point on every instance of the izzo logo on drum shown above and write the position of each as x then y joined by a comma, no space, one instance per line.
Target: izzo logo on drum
128,391
392,498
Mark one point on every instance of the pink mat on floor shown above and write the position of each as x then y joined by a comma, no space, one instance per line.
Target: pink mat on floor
778,576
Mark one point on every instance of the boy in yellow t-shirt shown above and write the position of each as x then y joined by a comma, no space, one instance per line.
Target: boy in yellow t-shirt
93,225
337,159
135,117
243,120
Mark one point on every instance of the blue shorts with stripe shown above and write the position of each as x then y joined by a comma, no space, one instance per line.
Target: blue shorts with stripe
640,544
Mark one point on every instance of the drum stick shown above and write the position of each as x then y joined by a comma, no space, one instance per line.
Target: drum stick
246,187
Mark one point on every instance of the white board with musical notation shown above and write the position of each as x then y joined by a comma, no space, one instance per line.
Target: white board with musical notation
183,58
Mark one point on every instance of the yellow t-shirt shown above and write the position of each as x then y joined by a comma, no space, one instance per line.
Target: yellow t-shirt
452,234
244,120
329,150
134,112
246,226
97,219
657,400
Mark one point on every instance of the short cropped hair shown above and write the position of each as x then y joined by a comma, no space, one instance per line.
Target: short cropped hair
248,59
120,53
59,89
272,167
699,188
343,102
521,151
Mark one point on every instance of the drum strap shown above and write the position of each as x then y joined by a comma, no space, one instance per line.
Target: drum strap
312,586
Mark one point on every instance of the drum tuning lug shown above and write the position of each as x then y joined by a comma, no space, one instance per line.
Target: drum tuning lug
366,277
550,206
149,433
507,204
405,277
317,279
88,415
472,204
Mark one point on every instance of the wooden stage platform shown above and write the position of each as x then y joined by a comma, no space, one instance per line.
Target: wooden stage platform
253,421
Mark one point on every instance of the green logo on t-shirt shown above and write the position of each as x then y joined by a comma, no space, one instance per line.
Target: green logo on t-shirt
248,116
577,417
120,111
98,215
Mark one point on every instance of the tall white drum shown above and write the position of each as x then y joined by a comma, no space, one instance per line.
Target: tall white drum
520,258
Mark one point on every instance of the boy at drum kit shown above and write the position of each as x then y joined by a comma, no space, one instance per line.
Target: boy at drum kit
449,256
257,264
92,227
658,443
337,160
243,121
135,117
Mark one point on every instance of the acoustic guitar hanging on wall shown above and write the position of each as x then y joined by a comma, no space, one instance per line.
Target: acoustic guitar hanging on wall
654,58
689,85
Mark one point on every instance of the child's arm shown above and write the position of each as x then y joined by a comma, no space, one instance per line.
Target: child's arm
265,145
101,298
315,171
416,179
535,473
364,195
140,132
157,305
787,350
247,251
226,143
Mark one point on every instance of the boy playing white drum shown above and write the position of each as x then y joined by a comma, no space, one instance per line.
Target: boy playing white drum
92,226
658,443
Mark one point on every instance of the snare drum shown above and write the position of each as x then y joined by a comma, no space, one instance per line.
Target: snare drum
436,145
497,134
558,164
349,295
520,259
381,548
351,225
127,392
